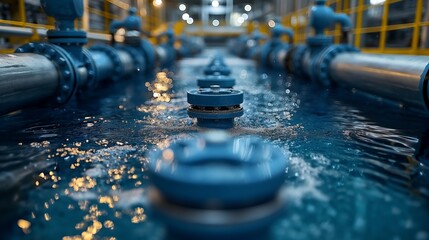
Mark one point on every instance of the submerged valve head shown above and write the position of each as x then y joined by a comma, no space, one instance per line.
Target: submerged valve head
215,107
214,186
217,69
217,66
217,60
213,80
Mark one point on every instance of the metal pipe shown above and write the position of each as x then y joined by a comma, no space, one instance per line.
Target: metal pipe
127,61
344,20
90,35
15,31
26,79
104,65
400,78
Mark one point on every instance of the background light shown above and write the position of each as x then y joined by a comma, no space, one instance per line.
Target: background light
215,4
248,8
240,20
185,16
157,3
190,20
182,7
245,16
377,2
271,23
215,22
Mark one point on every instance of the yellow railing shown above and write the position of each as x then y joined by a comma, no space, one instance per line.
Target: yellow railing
150,21
297,20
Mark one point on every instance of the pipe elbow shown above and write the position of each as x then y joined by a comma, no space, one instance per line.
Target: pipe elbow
114,26
289,32
344,21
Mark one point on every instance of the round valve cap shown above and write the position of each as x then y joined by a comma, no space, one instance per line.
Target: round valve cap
219,69
215,97
219,80
215,171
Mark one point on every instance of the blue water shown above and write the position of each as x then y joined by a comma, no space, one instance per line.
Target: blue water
359,166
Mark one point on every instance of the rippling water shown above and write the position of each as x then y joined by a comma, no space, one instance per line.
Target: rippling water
359,168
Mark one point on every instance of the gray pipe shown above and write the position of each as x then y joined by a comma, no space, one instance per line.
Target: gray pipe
8,31
25,79
104,65
127,61
396,77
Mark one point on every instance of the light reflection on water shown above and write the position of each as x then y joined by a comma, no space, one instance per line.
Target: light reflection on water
350,174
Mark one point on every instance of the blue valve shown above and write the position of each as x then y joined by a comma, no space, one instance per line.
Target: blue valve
278,31
64,12
64,35
217,60
215,107
214,186
131,23
216,80
169,34
323,17
274,49
65,49
313,60
254,44
217,66
217,70
166,51
140,49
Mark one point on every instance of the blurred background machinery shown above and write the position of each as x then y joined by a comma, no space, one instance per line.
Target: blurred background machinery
380,26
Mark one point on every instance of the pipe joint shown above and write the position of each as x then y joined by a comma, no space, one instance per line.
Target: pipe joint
69,77
112,53
344,21
320,63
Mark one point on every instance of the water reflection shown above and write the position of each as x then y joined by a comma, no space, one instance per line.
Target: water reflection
161,87
79,173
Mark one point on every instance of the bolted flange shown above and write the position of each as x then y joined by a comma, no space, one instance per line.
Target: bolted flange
118,70
295,59
323,60
93,74
219,80
138,58
69,79
215,186
149,53
215,107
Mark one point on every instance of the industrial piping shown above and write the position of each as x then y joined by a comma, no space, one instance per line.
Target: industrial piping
270,54
400,78
62,65
53,72
396,77
274,50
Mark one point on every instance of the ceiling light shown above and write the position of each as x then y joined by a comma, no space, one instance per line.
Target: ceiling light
182,7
